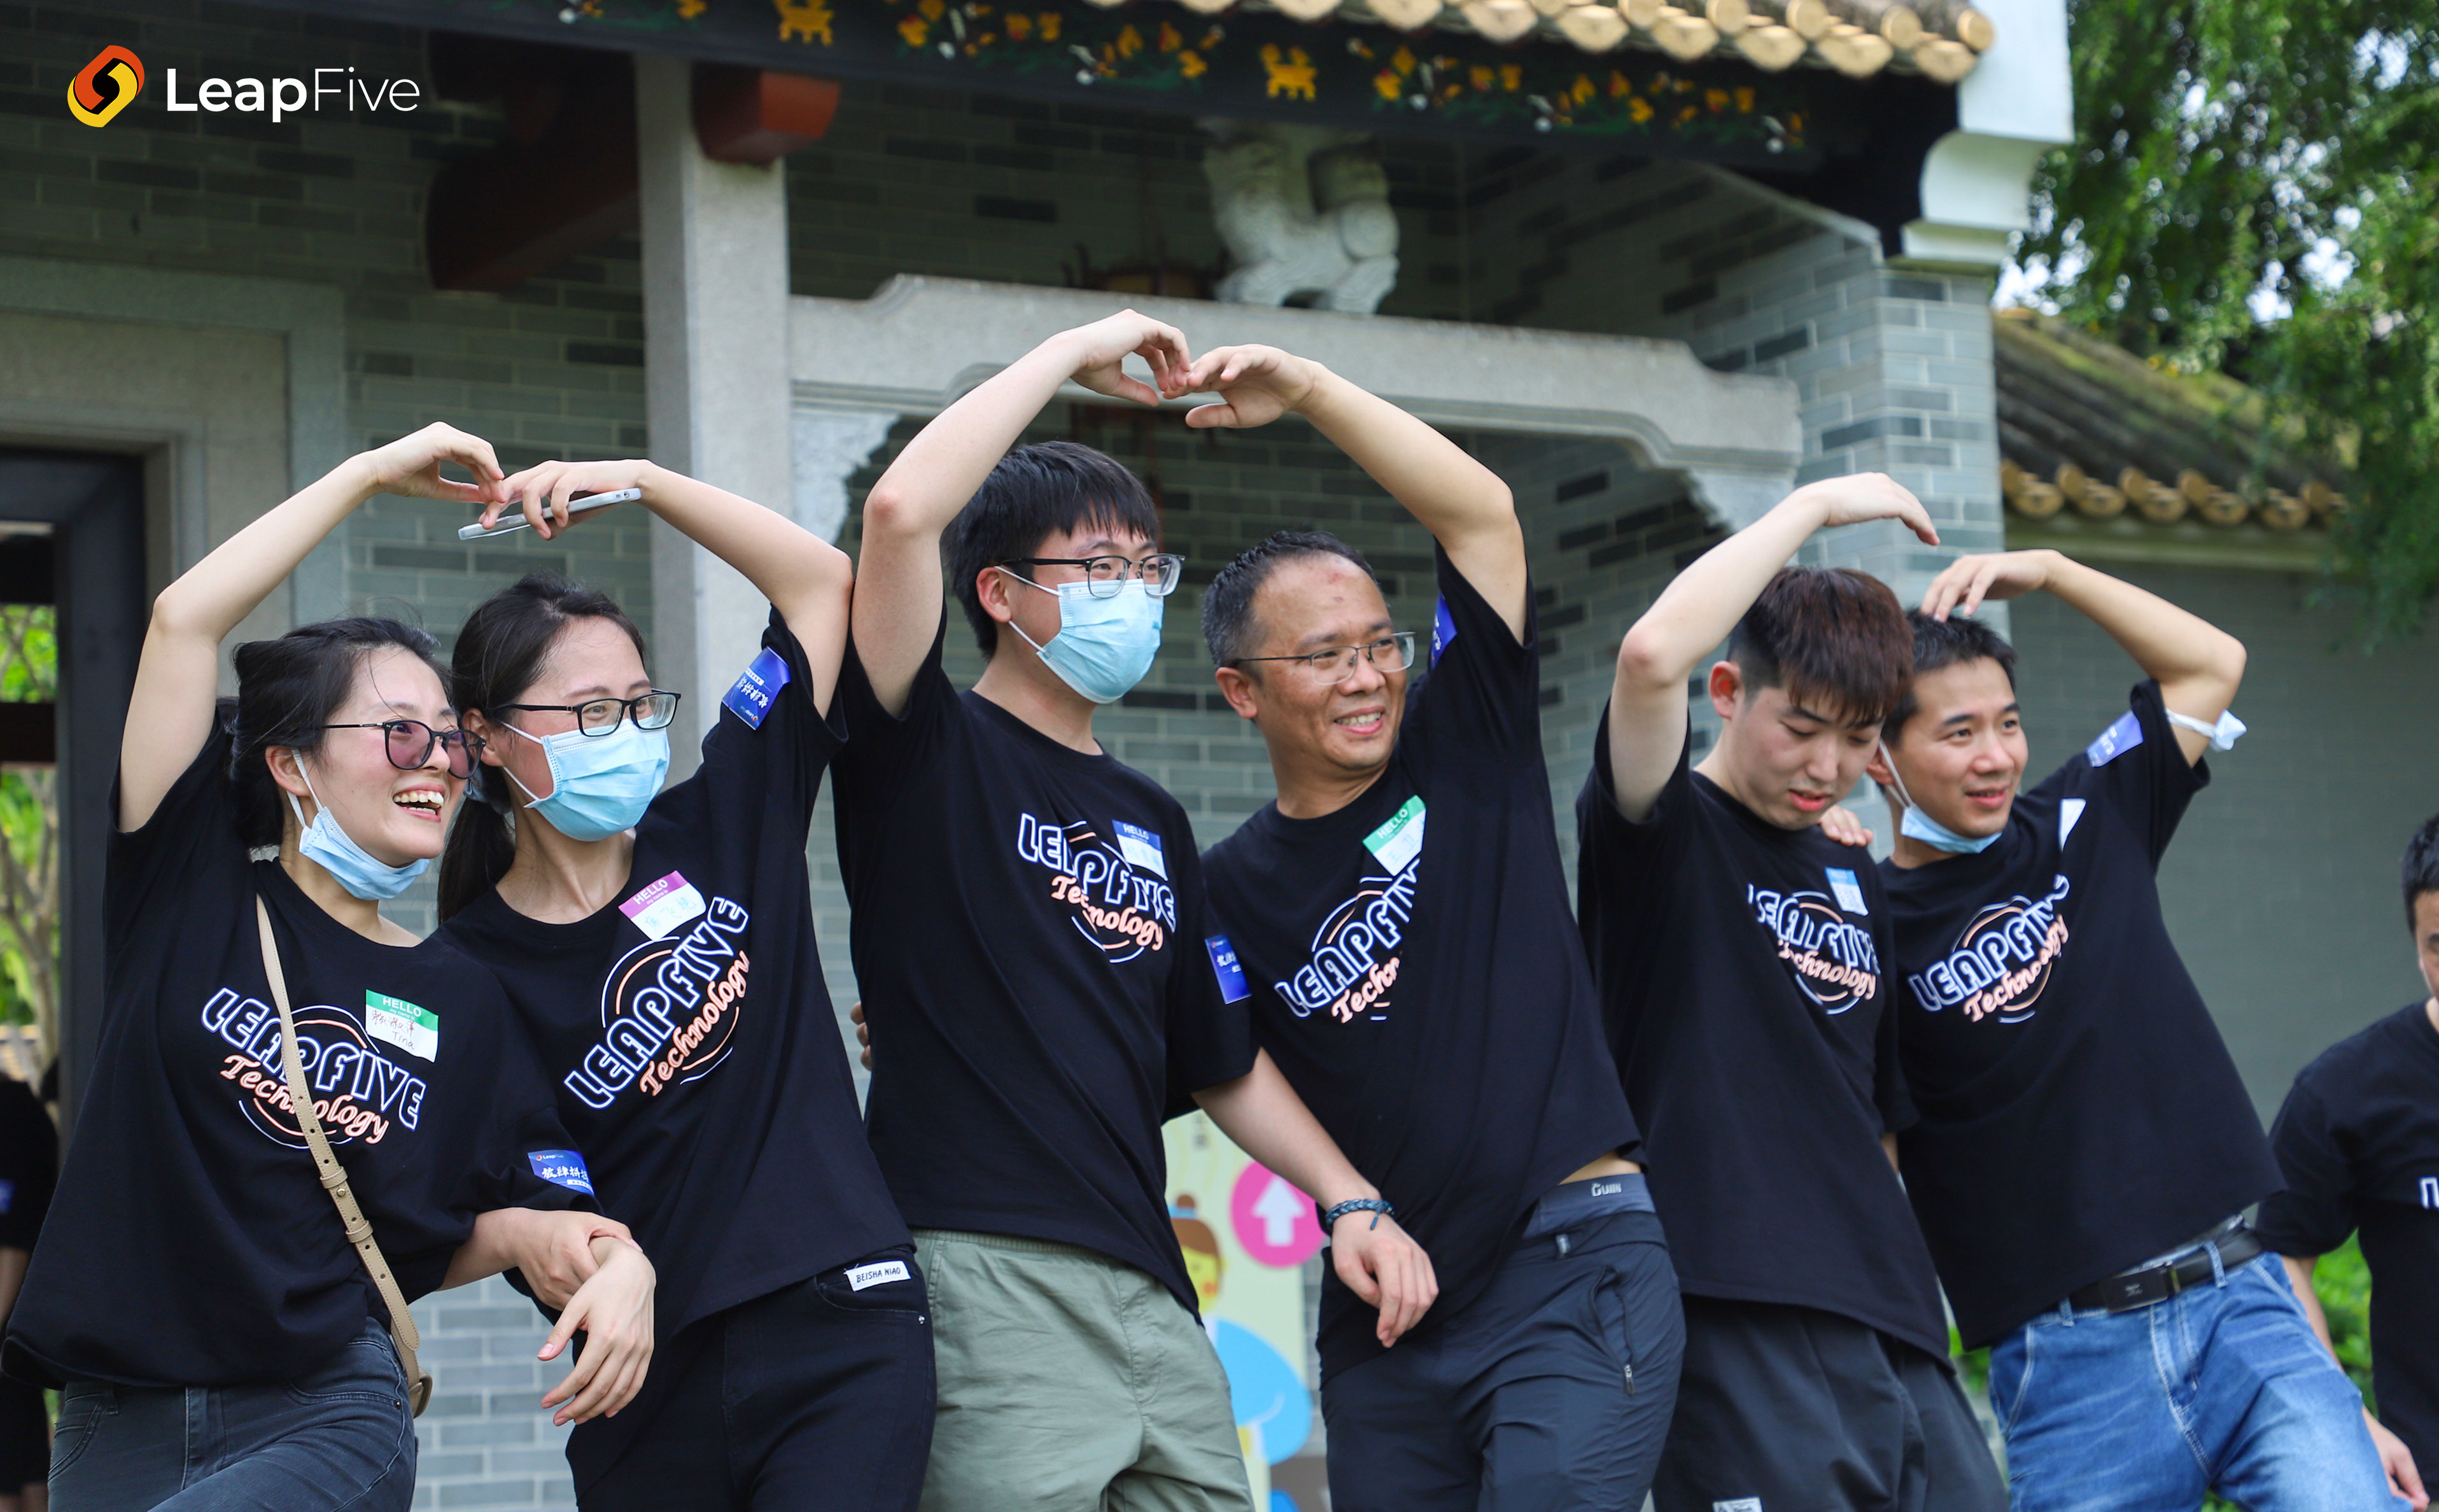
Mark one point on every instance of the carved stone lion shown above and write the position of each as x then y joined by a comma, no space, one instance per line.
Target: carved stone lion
1303,210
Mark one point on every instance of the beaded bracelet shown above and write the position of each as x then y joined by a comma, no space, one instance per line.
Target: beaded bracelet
1361,1204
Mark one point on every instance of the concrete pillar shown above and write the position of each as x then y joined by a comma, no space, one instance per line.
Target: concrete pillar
715,241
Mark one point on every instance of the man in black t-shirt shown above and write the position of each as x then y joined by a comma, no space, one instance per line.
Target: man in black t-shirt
2085,1147
1743,961
1428,997
2358,1144
1029,936
29,1166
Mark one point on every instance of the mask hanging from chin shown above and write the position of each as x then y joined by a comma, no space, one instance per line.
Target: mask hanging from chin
1916,824
1104,646
329,846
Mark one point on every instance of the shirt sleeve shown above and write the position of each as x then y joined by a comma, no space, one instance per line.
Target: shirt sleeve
2316,1212
190,844
884,750
1889,1090
1621,862
2136,768
1210,1039
768,731
1482,693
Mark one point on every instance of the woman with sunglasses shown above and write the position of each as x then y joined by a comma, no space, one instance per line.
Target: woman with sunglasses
218,1340
659,949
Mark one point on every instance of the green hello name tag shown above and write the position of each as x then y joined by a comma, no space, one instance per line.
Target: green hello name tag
1401,840
414,1030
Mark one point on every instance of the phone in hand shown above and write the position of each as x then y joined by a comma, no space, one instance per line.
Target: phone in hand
576,504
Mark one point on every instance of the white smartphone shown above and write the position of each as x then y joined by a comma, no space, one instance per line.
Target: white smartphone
509,524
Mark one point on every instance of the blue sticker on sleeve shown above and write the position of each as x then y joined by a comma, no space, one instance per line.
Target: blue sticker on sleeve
1225,966
2115,741
751,699
1443,631
564,1167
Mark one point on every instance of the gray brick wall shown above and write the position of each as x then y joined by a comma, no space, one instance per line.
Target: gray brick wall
482,1442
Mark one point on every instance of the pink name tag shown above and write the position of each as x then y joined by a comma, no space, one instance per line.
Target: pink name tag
664,906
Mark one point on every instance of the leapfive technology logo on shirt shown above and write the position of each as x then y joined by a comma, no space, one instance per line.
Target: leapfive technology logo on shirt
1834,960
359,1091
1117,893
2001,960
1353,964
669,1006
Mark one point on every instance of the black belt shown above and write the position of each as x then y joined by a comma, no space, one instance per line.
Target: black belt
2158,1283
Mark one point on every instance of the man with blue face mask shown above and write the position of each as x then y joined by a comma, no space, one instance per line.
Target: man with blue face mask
1040,984
2084,1148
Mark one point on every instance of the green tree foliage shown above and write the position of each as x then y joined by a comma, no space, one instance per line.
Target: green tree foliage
29,871
2251,189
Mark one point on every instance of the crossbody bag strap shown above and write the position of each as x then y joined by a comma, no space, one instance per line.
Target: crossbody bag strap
334,1176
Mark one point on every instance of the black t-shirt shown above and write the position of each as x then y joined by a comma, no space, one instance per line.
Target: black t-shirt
2079,1112
2359,1142
190,1243
687,1027
1743,971
30,1163
1028,935
1431,1002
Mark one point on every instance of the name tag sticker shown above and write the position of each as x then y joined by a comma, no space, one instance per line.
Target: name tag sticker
876,1273
665,906
2070,810
1226,965
1851,892
1141,848
1443,631
751,699
562,1167
2115,741
1399,842
8,1194
414,1030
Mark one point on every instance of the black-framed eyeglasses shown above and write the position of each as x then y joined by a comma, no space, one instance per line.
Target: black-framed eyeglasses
409,744
1335,664
1105,576
650,711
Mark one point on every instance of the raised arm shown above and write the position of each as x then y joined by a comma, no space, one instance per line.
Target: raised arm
1646,711
2197,664
897,596
170,713
805,577
1463,504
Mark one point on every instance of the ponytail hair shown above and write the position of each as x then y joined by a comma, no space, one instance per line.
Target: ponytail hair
500,654
287,690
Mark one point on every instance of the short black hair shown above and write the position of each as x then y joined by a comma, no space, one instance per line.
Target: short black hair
1228,626
1831,634
2421,866
1949,642
1034,492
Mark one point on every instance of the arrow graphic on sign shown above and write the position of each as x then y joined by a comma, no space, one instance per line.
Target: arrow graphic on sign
1279,1207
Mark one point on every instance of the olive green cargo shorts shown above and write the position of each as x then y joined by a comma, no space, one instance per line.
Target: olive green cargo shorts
1070,1383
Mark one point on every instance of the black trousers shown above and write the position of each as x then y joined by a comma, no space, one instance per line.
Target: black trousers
817,1398
1787,1408
1550,1393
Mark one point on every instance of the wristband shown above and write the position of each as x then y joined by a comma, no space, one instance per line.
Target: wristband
1361,1204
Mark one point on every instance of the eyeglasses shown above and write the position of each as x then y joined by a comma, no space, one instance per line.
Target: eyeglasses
410,743
650,711
1390,654
1105,576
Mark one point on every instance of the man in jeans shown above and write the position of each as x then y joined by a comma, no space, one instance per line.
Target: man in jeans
2084,1148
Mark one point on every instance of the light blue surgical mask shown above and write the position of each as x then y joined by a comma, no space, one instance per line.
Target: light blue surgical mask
599,784
1104,646
335,851
1916,824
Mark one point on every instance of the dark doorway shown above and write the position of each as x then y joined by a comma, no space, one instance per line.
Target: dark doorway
95,572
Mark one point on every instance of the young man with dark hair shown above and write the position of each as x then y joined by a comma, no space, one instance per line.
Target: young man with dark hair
2085,1147
1428,997
1029,935
2359,1143
1743,959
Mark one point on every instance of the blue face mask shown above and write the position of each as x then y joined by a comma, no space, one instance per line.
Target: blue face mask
335,851
1104,646
599,784
1916,824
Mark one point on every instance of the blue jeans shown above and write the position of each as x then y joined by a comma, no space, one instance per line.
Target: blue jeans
338,1440
2223,1387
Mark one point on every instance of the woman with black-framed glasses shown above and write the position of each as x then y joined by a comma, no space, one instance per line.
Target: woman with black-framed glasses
659,947
217,1337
